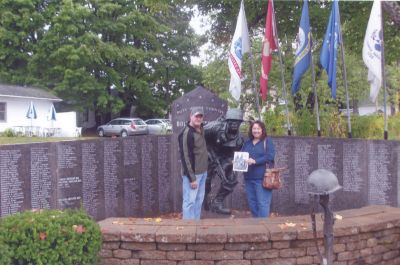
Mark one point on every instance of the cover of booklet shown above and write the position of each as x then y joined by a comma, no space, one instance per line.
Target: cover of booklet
240,161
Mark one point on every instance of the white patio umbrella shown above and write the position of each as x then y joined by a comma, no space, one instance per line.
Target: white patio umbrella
31,113
52,114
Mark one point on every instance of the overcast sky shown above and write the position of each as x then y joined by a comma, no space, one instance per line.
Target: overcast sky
200,25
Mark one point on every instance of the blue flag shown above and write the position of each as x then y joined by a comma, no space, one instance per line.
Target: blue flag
329,47
303,52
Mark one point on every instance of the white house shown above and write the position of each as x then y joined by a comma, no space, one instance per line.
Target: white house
14,105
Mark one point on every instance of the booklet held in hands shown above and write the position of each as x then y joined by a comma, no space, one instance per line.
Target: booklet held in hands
240,161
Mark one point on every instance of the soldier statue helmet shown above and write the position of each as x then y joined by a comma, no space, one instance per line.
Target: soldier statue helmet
223,139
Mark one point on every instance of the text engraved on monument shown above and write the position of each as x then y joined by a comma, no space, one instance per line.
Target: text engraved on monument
398,175
149,189
111,180
12,196
69,179
352,170
67,156
69,199
130,152
131,197
282,160
132,174
91,186
164,181
41,178
379,173
302,169
326,157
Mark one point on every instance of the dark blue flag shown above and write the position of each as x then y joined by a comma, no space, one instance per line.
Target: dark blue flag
329,47
303,52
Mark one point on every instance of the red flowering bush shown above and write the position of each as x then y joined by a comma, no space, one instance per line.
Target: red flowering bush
67,237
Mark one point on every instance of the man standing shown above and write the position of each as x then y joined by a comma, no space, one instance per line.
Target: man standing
193,151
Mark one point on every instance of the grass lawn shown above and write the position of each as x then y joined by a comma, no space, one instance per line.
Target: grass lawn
25,140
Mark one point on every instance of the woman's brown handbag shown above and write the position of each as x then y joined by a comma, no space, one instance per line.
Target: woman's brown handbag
272,176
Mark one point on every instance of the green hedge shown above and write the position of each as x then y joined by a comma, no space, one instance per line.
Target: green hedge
333,124
367,127
5,253
47,237
8,133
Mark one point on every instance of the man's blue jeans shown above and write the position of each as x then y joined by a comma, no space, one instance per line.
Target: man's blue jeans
258,198
193,198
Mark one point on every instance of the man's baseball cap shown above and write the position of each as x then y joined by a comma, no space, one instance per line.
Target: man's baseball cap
196,111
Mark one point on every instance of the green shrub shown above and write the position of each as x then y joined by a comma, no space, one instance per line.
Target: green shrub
304,123
333,124
8,133
394,127
5,253
44,237
275,121
367,127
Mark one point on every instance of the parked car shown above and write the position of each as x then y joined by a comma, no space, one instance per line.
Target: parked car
123,127
159,126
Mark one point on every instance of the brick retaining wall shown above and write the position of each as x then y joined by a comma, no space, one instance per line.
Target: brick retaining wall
368,235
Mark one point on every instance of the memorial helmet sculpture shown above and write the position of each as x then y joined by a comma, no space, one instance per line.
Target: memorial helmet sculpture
322,182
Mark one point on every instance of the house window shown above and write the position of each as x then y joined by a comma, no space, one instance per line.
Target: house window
3,112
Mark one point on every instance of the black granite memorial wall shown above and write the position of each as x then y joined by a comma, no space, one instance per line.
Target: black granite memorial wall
134,176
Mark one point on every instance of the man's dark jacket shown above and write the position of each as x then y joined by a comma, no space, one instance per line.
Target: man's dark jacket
193,151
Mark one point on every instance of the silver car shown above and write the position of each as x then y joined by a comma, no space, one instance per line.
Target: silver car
123,127
159,126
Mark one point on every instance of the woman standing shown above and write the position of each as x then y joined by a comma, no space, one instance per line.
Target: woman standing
261,152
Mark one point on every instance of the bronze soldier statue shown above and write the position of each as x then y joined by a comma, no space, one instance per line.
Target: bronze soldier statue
223,139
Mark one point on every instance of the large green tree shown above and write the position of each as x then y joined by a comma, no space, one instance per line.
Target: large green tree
108,55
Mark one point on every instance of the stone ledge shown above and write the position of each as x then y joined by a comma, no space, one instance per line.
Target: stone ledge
355,221
369,235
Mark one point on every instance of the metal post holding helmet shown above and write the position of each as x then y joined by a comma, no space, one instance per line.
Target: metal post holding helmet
321,183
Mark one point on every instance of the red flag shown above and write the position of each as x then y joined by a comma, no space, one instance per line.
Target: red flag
268,45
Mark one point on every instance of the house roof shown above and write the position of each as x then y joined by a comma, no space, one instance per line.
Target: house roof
26,92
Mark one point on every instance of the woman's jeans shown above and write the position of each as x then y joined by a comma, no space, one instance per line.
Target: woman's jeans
258,198
193,198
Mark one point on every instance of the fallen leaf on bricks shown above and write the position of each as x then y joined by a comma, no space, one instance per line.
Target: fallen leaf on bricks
338,217
286,225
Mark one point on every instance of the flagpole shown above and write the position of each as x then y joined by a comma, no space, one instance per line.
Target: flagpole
282,73
254,84
344,73
314,87
385,133
240,39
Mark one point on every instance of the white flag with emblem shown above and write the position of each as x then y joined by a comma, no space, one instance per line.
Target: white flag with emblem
240,45
372,50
